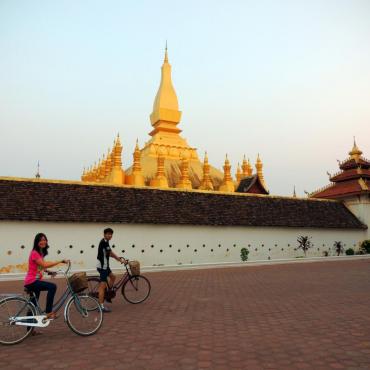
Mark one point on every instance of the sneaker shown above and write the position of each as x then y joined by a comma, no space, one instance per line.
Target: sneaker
106,309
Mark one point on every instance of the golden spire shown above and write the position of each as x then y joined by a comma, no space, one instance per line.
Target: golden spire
294,193
244,167
102,169
83,177
355,153
108,165
227,183
250,168
166,106
206,183
238,174
137,176
184,182
94,175
160,180
117,175
259,166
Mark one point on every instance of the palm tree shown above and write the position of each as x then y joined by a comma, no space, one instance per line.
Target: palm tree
304,243
338,247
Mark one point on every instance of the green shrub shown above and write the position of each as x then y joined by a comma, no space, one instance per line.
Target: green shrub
365,246
244,254
350,252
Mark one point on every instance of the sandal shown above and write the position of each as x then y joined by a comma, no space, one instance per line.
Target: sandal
51,316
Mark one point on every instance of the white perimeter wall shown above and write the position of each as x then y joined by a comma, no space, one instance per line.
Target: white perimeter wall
360,207
164,245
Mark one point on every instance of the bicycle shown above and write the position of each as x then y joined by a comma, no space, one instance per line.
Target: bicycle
19,315
134,288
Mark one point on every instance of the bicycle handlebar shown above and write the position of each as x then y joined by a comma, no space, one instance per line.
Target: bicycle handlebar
64,272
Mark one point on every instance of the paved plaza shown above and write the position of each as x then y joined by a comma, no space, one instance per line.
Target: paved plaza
286,316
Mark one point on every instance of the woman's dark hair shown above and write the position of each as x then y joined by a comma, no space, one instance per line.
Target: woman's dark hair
42,251
108,231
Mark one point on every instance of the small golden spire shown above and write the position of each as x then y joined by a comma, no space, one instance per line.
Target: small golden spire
259,166
160,180
206,183
108,165
245,168
227,183
137,176
38,170
294,193
238,174
184,182
250,168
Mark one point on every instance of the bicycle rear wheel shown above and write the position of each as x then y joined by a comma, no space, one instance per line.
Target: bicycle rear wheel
136,289
93,286
84,315
10,333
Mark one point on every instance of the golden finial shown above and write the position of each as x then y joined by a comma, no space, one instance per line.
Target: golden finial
166,54
355,153
205,157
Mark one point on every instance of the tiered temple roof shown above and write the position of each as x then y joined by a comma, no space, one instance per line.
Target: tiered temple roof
352,179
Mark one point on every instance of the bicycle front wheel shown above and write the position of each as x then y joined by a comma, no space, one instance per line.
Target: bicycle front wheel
84,315
10,308
136,289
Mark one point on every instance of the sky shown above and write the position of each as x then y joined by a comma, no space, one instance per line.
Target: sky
289,80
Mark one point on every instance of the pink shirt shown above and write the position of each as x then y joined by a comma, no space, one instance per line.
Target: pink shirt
34,270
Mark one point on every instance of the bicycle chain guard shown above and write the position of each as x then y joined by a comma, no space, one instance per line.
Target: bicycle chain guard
42,321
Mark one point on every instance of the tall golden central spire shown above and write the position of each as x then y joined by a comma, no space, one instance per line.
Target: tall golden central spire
166,106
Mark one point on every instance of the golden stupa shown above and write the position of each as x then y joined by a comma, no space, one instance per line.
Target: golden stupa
167,160
167,142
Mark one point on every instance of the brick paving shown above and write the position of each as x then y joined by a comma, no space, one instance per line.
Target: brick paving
292,316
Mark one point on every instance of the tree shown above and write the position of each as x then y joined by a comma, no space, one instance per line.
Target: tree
304,243
244,254
365,246
338,248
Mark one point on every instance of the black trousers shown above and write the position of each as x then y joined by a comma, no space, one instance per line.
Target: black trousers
39,286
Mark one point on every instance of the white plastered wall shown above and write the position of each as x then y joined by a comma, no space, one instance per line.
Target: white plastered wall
164,245
360,207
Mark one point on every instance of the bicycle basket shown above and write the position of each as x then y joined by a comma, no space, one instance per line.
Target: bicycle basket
78,281
134,267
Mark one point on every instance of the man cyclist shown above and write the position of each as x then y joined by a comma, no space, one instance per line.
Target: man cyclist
107,277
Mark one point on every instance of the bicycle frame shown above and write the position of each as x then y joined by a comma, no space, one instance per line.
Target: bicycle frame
126,276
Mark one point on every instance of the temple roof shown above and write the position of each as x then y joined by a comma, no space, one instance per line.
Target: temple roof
343,189
251,184
351,180
58,201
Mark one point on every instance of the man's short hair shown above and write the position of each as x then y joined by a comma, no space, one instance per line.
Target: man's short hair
108,230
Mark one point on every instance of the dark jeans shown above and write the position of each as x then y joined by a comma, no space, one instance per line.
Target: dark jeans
39,286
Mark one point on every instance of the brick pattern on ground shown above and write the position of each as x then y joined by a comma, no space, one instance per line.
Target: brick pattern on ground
296,316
